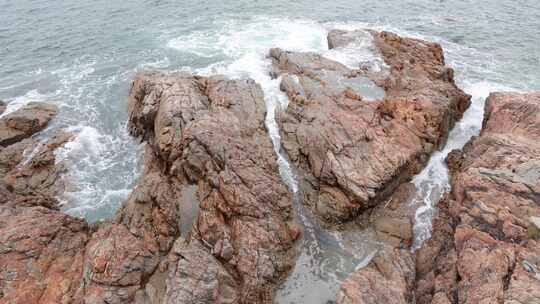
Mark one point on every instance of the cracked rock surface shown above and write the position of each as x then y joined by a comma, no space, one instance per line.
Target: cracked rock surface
481,250
352,152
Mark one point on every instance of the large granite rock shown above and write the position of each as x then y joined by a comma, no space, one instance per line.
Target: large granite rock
206,146
37,172
210,132
420,106
352,152
389,278
41,252
25,121
41,249
481,250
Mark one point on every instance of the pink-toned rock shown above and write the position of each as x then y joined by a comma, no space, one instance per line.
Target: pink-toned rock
389,278
210,132
202,133
38,172
480,236
352,153
41,253
25,121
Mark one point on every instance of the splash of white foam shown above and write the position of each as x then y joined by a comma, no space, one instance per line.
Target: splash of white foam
91,192
16,103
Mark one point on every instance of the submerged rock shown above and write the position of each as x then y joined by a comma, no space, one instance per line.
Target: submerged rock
480,251
352,153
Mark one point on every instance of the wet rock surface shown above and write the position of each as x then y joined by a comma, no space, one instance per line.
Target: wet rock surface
481,250
355,152
202,132
351,153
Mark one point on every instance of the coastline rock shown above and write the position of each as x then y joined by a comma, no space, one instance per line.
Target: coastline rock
210,132
3,106
480,251
389,278
351,153
13,155
41,249
366,151
202,133
25,121
41,253
39,173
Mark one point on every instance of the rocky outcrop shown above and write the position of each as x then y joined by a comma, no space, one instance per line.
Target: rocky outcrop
210,132
25,121
205,134
39,172
210,220
387,279
352,152
2,107
420,106
41,249
482,250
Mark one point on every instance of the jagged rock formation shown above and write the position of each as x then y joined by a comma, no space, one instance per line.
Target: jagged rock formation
210,220
210,132
482,250
41,249
24,122
355,153
206,133
352,153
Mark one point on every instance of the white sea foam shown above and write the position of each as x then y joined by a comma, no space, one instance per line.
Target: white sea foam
97,175
16,103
